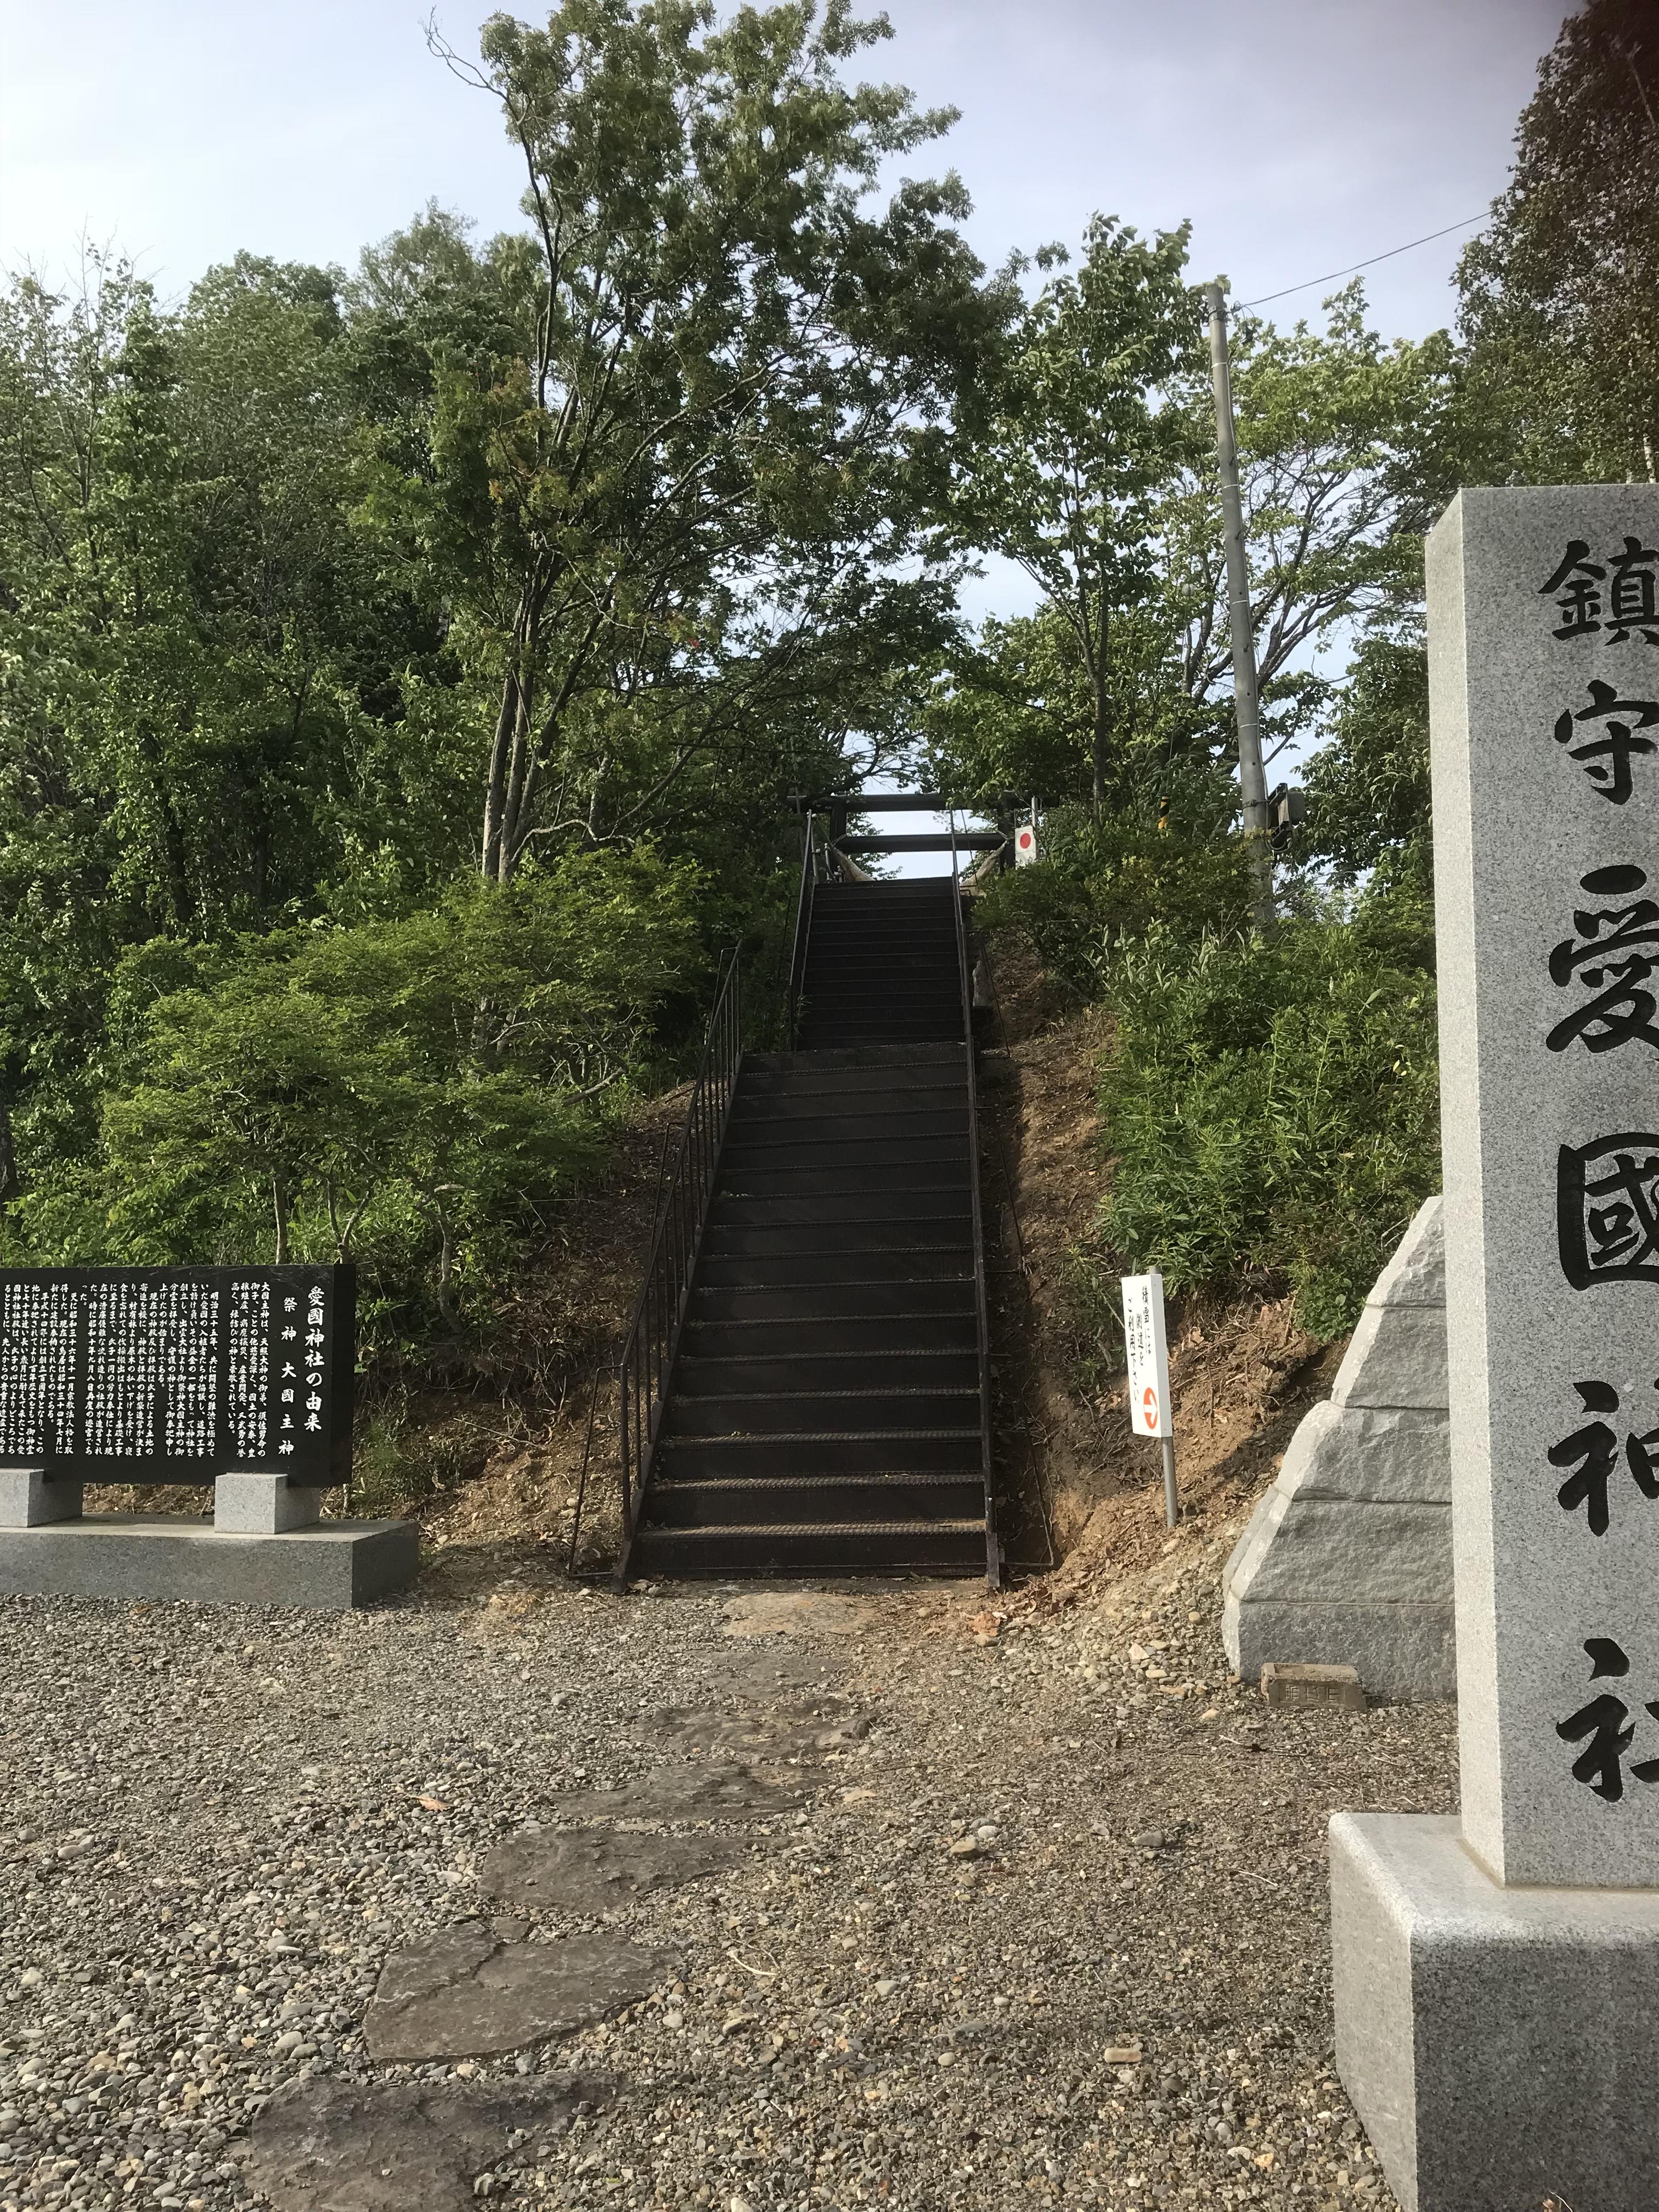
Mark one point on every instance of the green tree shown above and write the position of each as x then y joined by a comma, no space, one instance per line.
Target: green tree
1367,787
1341,439
1014,710
1333,428
414,1089
193,646
1560,296
1075,431
675,502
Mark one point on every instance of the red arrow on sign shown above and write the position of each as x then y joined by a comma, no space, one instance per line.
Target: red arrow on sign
1149,1406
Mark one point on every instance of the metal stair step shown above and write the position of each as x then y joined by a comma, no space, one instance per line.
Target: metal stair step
834,1451
863,1334
921,1546
771,1501
786,1179
751,1127
731,1210
786,1107
917,1298
853,1059
943,1146
700,1373
874,1031
795,1412
813,1270
768,1241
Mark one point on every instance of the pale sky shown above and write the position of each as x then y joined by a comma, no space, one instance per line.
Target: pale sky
1299,136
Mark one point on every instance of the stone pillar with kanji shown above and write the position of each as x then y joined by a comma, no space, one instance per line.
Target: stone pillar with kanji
1497,1972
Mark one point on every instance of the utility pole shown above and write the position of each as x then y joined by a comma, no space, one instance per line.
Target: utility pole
1252,783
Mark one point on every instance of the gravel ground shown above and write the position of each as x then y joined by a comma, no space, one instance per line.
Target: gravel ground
1063,1841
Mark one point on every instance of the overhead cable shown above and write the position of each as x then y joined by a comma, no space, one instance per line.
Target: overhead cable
1308,284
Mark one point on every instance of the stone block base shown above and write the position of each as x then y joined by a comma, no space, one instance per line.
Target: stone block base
1401,1652
154,1557
263,1505
27,1500
1500,2044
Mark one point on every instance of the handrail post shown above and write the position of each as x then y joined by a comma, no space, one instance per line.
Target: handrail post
982,1310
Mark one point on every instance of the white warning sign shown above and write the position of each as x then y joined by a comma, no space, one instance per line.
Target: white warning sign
1148,1355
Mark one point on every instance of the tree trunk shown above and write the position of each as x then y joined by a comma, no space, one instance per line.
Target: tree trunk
1099,677
173,840
7,1157
446,1271
1102,744
279,1209
521,773
501,754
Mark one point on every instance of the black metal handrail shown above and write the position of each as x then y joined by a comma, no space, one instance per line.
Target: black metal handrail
803,921
981,1307
648,1354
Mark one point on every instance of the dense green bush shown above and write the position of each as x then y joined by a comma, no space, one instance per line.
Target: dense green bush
410,1092
1272,1105
1100,885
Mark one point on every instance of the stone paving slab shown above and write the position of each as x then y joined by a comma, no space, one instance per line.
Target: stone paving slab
333,2146
465,1994
800,1729
686,1791
164,1558
591,1870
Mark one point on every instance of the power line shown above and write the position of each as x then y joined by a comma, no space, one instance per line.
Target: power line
1370,263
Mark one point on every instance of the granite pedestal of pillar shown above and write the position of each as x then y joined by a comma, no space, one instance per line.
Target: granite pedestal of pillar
1501,2043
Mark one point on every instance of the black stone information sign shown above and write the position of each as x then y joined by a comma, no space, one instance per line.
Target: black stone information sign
177,1374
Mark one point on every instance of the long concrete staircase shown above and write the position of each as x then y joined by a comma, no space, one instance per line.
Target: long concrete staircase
826,1405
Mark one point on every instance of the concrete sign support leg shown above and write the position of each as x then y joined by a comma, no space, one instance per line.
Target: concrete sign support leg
27,1500
1497,1975
263,1505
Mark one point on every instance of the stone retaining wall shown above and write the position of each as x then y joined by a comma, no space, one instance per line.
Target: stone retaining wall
1348,1560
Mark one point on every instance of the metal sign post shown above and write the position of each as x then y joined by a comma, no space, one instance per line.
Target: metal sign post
1150,1413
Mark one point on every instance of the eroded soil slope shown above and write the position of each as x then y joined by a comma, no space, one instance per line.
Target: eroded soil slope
1241,1373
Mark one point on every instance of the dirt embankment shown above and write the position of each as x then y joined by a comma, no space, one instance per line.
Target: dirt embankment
506,1464
1241,1373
